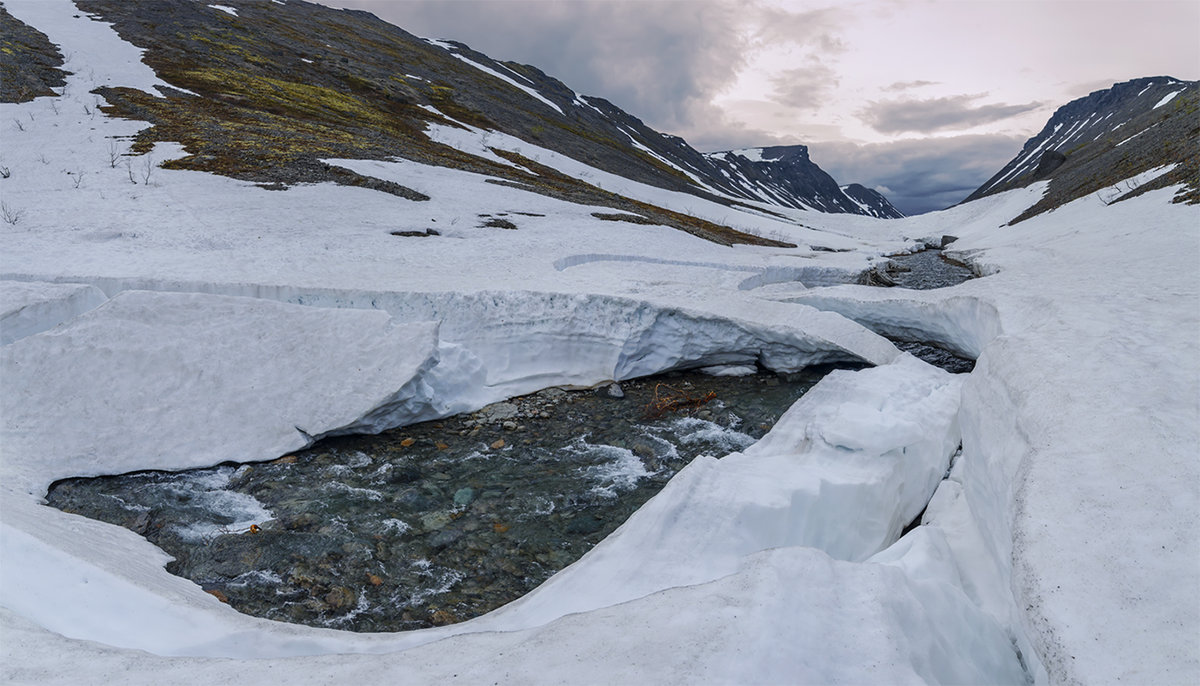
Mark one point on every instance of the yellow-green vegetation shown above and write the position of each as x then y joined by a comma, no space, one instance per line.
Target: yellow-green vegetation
282,87
29,62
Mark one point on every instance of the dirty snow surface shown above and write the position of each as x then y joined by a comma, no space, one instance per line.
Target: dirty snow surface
192,319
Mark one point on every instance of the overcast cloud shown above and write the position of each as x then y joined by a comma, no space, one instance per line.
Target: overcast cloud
899,79
920,175
660,61
805,88
937,114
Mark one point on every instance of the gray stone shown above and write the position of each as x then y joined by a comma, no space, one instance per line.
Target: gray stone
499,411
435,520
464,496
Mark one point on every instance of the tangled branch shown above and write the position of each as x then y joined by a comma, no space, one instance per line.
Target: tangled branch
674,400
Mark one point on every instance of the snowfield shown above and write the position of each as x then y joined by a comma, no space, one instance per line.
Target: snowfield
186,319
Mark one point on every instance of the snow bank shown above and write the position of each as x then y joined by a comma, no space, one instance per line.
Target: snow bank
954,319
27,308
499,344
712,578
844,470
170,381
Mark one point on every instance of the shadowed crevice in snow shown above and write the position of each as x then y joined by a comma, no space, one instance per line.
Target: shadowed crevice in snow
27,308
810,275
961,324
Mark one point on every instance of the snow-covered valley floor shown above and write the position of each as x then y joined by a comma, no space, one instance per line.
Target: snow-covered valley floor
188,319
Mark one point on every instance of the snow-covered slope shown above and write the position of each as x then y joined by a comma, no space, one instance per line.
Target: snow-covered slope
784,175
1144,125
147,318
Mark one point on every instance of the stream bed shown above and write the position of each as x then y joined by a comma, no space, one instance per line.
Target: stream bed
442,521
437,522
924,270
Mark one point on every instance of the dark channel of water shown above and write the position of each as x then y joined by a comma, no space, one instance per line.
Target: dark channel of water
926,270
437,522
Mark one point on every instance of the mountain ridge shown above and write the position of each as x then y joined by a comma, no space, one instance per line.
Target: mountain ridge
1129,130
265,92
785,175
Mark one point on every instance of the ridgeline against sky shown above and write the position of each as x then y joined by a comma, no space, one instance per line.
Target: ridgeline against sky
921,100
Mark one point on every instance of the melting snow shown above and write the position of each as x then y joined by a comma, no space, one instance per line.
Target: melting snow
1166,99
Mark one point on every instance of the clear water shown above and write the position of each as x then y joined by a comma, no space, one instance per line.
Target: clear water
437,522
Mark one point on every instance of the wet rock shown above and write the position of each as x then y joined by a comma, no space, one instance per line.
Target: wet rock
435,520
402,474
610,390
341,598
464,496
584,524
412,500
141,523
442,618
444,538
305,521
498,412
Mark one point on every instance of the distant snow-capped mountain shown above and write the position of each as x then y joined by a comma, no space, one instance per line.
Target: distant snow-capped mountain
1147,128
784,175
872,201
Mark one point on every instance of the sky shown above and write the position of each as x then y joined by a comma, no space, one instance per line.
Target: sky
921,99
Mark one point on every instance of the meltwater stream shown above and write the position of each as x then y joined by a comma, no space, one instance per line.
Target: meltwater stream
438,522
924,270
443,521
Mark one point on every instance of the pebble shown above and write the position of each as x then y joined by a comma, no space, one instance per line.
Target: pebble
464,496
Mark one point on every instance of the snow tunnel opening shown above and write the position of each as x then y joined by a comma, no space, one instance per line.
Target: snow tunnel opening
441,521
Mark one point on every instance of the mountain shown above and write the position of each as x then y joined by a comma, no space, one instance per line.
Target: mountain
872,201
1147,130
265,91
784,175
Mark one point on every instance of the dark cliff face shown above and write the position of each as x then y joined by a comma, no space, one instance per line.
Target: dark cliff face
1107,137
784,175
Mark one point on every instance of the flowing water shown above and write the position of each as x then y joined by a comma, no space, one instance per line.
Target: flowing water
437,522
925,270
928,269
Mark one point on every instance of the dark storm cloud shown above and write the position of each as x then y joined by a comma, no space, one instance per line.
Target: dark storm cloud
661,61
936,114
919,175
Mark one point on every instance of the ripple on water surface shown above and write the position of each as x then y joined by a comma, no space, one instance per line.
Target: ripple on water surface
437,522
